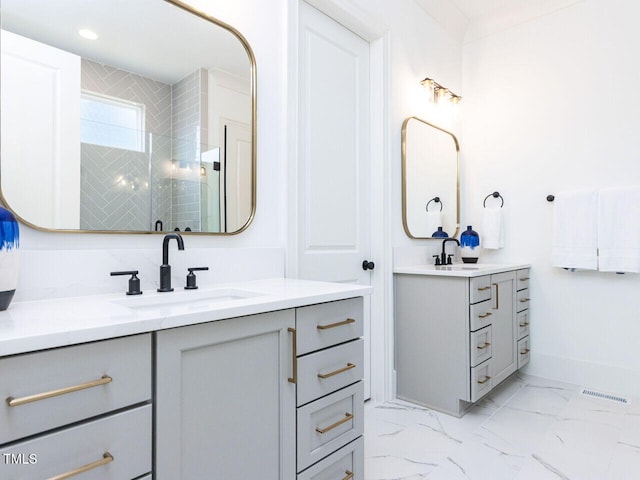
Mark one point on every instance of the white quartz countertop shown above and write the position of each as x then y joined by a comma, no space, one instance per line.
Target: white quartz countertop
460,269
37,325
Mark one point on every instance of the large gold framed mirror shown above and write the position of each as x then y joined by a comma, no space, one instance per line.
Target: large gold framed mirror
430,180
126,116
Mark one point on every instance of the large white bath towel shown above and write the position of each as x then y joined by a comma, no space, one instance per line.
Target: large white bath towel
575,240
619,230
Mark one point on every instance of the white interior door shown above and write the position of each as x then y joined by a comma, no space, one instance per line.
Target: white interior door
334,225
41,131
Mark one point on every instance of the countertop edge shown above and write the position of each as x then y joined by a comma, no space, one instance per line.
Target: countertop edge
460,270
26,327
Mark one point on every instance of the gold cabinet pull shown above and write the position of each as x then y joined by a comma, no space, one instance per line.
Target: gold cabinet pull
524,300
497,307
294,353
336,372
14,402
347,417
524,352
482,347
524,324
349,475
106,458
348,321
524,279
488,314
484,380
482,289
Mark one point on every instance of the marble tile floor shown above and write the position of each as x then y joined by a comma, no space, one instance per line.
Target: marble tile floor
529,428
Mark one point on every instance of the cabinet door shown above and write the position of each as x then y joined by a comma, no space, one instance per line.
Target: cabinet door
503,325
224,406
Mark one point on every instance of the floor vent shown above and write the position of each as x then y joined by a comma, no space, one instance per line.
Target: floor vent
605,396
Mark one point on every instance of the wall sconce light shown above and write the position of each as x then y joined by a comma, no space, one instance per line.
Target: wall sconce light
439,92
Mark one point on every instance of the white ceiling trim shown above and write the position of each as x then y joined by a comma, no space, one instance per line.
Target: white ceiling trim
470,20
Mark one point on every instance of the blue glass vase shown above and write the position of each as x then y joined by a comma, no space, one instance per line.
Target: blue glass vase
9,243
440,233
469,245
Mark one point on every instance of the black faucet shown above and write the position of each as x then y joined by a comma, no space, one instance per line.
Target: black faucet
443,256
165,268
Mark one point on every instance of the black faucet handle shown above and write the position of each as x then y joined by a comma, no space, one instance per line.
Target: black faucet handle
449,261
191,277
134,281
437,257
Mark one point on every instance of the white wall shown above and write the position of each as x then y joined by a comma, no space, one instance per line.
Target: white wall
552,105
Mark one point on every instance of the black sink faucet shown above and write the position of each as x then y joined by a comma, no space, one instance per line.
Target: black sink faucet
443,256
165,268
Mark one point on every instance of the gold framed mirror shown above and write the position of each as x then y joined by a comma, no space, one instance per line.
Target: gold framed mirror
430,180
126,116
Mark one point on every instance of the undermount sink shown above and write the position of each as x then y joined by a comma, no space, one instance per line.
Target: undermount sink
191,299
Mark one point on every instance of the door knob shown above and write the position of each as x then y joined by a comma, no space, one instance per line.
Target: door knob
367,265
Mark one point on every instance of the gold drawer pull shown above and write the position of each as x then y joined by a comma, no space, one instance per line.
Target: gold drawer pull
524,352
488,314
347,417
341,370
106,458
349,475
348,321
484,380
14,402
524,324
524,279
482,289
294,353
482,347
523,300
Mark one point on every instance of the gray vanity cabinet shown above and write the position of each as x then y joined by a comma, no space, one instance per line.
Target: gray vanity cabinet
78,409
503,326
456,337
224,406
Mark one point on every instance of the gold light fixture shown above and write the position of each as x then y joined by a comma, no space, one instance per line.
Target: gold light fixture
439,92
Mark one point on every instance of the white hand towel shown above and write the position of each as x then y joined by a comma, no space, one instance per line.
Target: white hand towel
575,242
492,228
619,230
434,220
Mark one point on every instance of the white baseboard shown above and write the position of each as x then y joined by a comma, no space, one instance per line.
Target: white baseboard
604,378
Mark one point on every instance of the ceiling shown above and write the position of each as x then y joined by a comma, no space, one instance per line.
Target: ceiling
147,37
469,20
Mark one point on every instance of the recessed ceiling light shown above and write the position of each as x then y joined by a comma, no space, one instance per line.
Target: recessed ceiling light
88,34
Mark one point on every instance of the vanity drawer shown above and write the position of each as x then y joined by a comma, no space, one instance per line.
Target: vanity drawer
480,315
83,372
327,324
480,346
345,464
523,352
481,381
523,324
329,423
126,437
522,279
479,289
522,301
328,370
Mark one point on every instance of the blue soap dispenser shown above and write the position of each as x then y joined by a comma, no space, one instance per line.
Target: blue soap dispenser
469,245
